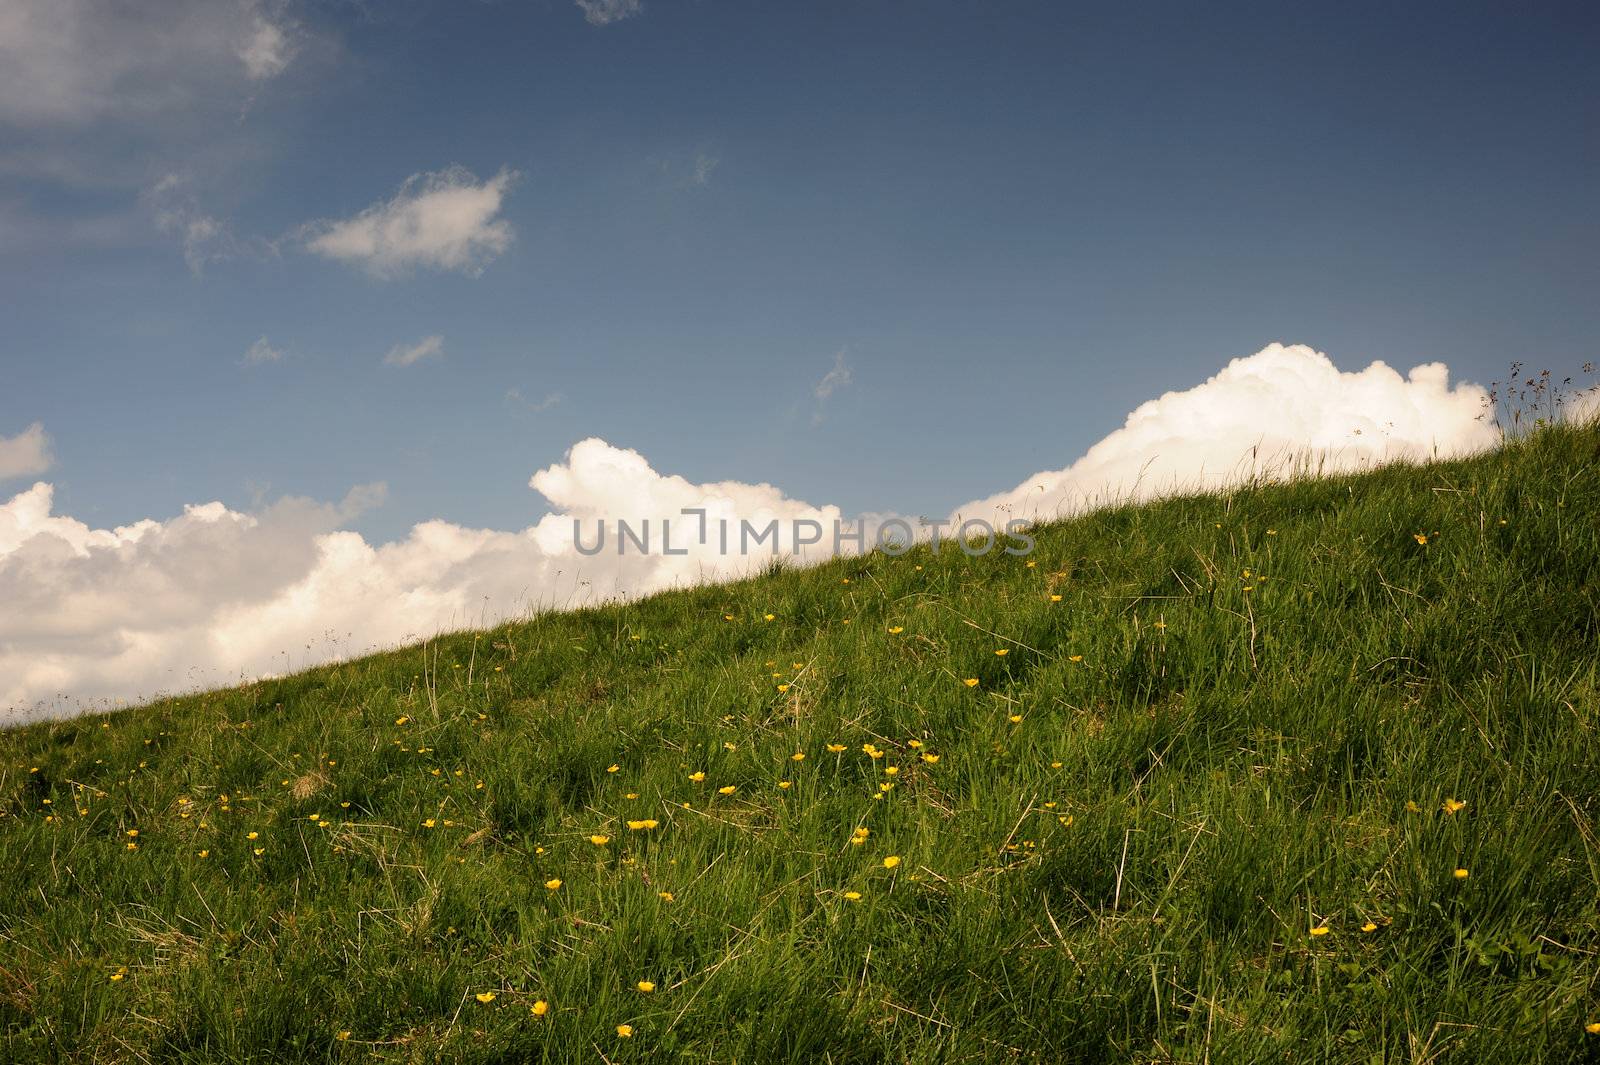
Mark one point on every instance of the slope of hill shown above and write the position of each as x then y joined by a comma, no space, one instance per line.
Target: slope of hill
1299,772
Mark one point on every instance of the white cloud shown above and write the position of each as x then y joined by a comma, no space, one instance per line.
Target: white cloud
26,454
68,62
605,12
1283,408
411,354
266,51
550,400
261,351
836,378
213,595
444,220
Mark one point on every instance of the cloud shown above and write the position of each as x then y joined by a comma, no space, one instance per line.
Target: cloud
214,595
550,400
703,166
444,220
261,351
71,62
411,354
832,381
605,12
27,454
1283,408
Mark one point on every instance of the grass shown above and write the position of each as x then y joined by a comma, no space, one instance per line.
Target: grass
1204,808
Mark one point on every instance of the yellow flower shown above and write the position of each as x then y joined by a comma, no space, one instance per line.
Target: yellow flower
783,687
930,758
1369,927
891,770
251,835
626,1030
133,831
1412,807
646,986
631,795
612,768
1460,874
891,861
485,997
1055,599
895,630
665,896
727,790
784,784
913,743
119,974
539,1008
429,823
553,884
798,756
1453,805
599,840
1420,538
1074,658
1002,652
260,851
835,748
697,776
1593,1027
770,617
342,1036
971,682
204,854
1320,930
727,617
1015,719
853,896
639,826
401,720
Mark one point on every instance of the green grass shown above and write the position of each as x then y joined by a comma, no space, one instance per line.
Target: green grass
1278,690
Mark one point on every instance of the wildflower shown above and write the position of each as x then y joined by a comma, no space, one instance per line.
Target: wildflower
798,756
770,617
612,768
133,831
631,795
835,748
891,770
784,784
1420,538
971,682
783,687
1369,927
342,1036
1320,930
891,861
121,973
429,823
860,834
895,630
913,743
599,840
1015,719
1412,807
646,986
638,826
665,896
553,884
727,790
401,720
539,1008
1074,658
205,854
698,775
1460,874
1055,599
133,846
1593,1027
931,759
1453,805
727,617
260,851
625,1031
853,896
252,835
485,997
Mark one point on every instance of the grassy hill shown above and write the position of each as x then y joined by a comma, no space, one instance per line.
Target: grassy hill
1305,772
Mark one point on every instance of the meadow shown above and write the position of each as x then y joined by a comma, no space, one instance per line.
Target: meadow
1299,772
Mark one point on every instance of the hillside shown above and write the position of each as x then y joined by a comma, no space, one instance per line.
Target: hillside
1302,772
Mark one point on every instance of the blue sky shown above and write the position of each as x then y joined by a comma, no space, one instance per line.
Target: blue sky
1016,221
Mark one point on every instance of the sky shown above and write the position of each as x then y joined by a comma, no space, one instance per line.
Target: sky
337,270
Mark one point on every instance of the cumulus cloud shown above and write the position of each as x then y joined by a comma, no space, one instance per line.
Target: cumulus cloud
25,455
213,594
1285,407
446,220
605,12
411,354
